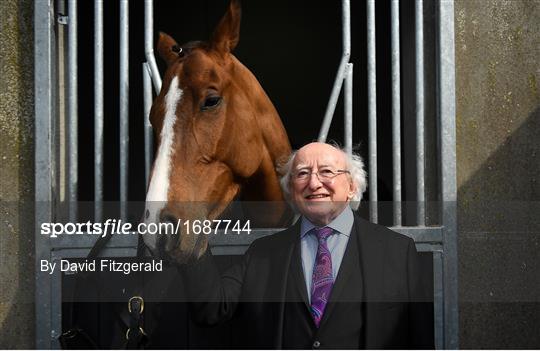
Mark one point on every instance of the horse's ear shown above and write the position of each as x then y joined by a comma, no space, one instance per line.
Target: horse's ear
227,32
167,48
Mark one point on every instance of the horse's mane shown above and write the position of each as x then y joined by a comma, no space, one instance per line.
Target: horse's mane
195,44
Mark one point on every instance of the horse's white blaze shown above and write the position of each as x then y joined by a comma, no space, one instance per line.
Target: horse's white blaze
156,198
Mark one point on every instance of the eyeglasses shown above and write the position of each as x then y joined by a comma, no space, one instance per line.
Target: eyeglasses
324,175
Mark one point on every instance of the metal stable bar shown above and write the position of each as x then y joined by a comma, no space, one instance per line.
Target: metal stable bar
349,109
438,298
98,110
45,111
336,89
372,110
62,149
73,104
148,136
396,110
348,74
447,137
420,154
124,107
62,31
149,43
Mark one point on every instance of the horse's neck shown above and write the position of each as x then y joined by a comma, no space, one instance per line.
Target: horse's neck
275,137
263,200
263,185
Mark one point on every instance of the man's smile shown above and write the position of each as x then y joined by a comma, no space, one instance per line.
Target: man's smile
316,196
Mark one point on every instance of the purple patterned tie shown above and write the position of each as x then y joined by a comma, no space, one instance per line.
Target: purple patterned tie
323,279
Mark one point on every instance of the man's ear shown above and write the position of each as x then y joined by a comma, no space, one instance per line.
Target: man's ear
352,190
166,47
227,33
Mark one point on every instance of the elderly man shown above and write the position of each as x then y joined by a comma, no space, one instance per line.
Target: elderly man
332,280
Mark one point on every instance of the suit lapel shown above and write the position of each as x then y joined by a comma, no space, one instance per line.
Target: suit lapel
372,263
282,261
298,274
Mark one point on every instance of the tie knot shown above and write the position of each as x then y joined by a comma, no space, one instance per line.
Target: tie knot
323,233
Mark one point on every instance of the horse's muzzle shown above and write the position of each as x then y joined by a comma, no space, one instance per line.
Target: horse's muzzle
181,247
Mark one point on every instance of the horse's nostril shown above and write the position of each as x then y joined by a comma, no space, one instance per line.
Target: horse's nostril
147,214
166,217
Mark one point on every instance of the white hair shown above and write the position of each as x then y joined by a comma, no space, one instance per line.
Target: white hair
354,165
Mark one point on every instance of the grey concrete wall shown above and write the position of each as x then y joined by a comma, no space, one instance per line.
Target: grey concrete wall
498,164
17,174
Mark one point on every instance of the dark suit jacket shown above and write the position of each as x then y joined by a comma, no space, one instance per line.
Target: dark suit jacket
397,310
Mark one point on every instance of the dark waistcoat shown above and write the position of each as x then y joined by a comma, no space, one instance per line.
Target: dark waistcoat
342,323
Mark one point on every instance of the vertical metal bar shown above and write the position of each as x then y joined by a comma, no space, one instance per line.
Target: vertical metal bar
346,27
349,109
396,110
420,154
336,89
56,303
44,113
447,136
372,110
98,110
63,111
438,298
73,111
148,136
124,106
149,43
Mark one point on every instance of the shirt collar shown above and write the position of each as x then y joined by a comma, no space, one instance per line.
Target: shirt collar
342,224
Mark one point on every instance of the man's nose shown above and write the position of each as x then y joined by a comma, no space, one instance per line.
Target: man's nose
314,182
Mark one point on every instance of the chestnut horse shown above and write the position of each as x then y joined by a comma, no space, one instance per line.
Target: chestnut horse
218,136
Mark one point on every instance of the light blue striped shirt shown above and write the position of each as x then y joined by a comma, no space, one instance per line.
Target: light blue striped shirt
337,243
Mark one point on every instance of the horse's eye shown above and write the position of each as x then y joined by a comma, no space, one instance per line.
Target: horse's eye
178,50
210,102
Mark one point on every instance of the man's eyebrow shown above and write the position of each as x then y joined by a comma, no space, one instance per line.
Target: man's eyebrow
301,166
